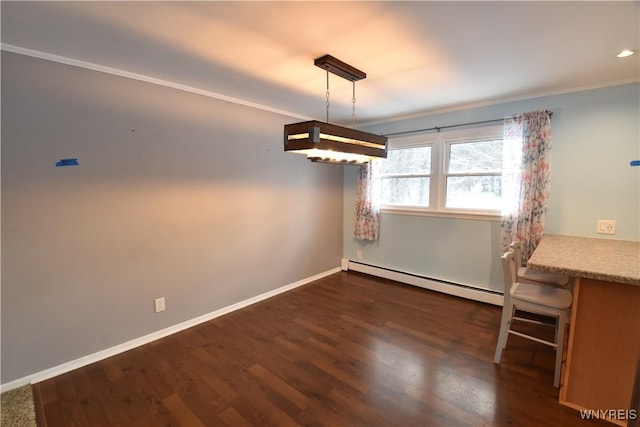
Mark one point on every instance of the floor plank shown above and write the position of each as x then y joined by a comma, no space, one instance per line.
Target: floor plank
347,350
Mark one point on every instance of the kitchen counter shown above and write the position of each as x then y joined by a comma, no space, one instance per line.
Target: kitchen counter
601,259
603,348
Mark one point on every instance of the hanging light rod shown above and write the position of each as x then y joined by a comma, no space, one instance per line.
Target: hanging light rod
328,143
339,68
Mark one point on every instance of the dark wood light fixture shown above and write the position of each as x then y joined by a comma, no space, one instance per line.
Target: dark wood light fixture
328,143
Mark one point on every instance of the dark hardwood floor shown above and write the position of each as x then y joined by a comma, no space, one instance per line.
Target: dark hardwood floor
347,350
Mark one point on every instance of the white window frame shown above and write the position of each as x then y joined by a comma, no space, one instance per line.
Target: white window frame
439,143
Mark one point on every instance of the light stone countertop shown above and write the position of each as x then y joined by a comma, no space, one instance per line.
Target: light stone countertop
601,259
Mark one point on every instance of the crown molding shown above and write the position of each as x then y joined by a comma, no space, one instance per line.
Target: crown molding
496,101
143,78
178,86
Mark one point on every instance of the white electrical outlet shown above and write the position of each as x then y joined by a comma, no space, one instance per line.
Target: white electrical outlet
606,226
159,304
359,254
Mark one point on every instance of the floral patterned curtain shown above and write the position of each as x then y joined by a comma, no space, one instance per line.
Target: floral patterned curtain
367,209
526,170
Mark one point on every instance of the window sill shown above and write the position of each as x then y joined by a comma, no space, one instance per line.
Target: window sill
458,214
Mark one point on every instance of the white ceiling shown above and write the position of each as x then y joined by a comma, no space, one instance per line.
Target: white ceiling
419,57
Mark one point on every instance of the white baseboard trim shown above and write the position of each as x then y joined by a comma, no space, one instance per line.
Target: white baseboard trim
463,291
137,342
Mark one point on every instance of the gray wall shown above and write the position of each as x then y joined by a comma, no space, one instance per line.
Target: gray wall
177,195
595,136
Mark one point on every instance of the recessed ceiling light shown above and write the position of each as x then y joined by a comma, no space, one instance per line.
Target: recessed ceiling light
625,53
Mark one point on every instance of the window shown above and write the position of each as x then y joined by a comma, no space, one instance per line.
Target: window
457,172
473,176
406,176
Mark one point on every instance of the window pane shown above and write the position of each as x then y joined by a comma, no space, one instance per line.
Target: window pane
406,191
477,156
408,160
474,192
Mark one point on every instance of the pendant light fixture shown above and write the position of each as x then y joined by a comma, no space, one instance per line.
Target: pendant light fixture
329,143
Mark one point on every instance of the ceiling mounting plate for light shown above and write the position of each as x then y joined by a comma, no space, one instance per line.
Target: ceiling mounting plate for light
340,68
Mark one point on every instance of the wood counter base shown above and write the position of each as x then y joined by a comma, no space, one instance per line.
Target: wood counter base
603,348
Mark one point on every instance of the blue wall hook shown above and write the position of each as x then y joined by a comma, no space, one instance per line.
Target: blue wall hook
635,163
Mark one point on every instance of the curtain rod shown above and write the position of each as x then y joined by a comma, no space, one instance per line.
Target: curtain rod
439,128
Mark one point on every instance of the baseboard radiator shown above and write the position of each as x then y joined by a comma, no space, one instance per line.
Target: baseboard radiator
464,291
